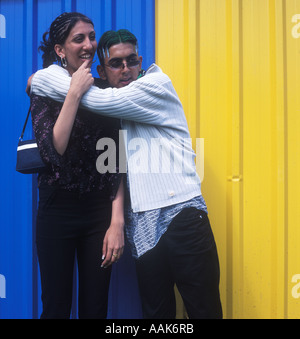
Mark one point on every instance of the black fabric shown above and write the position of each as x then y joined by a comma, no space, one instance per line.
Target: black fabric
69,225
186,255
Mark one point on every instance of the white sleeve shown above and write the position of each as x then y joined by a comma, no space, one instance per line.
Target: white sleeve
52,82
146,100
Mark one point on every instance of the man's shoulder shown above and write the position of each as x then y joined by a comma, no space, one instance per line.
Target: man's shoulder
155,72
100,83
153,69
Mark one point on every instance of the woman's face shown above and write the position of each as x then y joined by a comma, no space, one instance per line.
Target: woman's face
80,46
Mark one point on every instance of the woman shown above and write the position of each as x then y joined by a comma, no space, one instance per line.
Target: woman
80,210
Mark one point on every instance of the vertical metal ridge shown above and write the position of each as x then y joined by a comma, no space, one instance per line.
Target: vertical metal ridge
274,154
241,148
113,15
33,7
229,193
197,70
286,159
74,6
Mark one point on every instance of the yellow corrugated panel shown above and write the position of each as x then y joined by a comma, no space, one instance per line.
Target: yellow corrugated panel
236,67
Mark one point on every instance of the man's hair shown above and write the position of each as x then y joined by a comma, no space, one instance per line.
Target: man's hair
111,38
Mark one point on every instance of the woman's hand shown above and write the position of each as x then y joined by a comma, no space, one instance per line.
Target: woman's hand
82,80
113,243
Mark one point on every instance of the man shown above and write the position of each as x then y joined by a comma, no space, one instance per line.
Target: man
167,223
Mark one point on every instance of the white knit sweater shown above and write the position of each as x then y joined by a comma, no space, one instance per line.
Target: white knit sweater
161,167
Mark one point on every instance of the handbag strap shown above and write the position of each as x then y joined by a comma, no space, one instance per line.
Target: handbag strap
23,131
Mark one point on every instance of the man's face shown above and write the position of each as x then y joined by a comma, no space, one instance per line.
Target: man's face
122,65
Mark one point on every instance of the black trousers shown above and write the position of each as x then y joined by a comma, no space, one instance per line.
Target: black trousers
186,255
70,225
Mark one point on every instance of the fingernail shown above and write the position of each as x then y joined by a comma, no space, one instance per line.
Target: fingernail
103,257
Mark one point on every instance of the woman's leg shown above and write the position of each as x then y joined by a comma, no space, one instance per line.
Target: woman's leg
56,260
56,246
94,280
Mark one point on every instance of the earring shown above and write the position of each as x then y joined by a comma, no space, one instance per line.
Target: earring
64,62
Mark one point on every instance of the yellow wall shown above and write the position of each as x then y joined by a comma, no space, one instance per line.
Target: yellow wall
236,67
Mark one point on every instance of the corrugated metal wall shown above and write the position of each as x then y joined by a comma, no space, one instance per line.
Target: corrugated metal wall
22,24
236,66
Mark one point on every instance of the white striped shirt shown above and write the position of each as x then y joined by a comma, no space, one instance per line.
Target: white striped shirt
161,168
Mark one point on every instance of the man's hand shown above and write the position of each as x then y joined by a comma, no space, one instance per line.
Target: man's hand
29,84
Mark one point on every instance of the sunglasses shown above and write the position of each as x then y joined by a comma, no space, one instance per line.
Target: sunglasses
119,63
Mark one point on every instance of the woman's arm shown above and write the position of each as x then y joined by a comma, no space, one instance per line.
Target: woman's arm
81,81
113,243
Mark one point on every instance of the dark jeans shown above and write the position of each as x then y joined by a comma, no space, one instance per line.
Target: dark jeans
186,255
70,225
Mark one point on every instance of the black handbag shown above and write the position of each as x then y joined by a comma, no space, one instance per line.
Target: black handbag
29,160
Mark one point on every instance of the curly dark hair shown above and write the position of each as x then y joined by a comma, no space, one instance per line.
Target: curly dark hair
58,34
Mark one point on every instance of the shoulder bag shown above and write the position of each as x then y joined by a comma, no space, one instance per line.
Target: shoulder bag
29,160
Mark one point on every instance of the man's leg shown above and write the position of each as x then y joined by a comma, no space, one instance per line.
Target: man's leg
156,284
195,265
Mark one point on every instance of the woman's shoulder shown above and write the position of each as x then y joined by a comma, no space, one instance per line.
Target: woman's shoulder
38,100
52,70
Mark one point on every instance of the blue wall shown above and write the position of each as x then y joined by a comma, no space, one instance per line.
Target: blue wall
24,23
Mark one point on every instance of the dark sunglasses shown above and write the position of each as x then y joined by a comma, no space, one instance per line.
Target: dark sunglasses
119,63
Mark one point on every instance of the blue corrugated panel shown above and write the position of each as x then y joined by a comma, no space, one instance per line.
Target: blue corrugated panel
15,190
22,24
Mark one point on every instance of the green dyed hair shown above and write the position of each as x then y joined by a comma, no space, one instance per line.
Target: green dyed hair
111,38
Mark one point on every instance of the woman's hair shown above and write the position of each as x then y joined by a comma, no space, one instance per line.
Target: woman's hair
58,34
111,38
